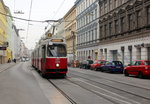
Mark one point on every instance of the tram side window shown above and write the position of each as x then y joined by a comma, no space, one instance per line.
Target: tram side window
44,51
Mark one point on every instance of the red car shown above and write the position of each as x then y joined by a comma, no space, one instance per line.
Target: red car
140,68
97,64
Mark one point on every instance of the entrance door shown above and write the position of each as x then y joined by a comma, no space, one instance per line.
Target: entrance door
114,53
96,55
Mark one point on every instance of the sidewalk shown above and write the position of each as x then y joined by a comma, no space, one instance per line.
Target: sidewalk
5,66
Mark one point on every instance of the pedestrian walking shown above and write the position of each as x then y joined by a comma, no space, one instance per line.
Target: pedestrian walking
9,60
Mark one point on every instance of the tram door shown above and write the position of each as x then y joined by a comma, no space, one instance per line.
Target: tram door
43,61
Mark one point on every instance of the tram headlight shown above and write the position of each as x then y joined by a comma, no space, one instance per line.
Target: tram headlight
57,65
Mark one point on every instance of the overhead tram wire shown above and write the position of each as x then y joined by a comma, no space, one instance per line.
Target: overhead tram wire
38,20
56,13
28,19
59,8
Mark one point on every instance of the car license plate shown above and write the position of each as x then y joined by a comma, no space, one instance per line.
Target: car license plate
118,67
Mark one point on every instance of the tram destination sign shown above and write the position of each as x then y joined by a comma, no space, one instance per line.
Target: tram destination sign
2,48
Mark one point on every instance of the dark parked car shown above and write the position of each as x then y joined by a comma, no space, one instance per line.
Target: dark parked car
86,64
113,66
140,68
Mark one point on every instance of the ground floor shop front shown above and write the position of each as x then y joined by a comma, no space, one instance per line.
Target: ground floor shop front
125,50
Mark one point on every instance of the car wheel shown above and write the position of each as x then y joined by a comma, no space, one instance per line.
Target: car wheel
140,75
126,73
102,69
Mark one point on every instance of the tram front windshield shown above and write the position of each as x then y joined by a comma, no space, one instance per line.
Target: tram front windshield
56,51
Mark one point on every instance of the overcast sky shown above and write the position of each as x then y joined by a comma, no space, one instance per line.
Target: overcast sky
41,10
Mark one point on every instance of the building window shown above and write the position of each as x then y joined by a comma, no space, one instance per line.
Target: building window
116,26
105,7
105,30
95,13
115,4
94,37
89,35
96,33
131,22
100,12
139,19
110,28
92,16
110,5
101,32
122,24
92,34
86,36
148,14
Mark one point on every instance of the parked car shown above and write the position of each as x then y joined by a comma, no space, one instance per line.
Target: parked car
86,64
140,68
113,66
97,64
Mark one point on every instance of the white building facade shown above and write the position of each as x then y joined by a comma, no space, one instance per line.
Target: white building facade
87,29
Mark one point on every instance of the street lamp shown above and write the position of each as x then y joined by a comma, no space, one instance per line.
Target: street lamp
18,12
20,29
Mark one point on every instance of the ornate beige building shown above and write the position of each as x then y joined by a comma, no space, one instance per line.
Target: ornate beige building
70,33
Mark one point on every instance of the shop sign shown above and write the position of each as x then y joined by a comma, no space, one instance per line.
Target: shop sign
2,48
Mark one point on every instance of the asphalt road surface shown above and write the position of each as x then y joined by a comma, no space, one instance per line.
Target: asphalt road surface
22,84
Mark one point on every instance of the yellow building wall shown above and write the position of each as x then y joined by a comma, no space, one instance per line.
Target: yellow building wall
3,33
70,25
8,54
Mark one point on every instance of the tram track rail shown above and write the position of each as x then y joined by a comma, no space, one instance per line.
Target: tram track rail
92,91
128,92
63,93
111,99
115,81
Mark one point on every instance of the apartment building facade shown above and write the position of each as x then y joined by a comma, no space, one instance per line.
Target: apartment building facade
124,27
87,29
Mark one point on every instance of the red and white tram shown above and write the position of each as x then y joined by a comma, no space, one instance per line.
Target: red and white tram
50,56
